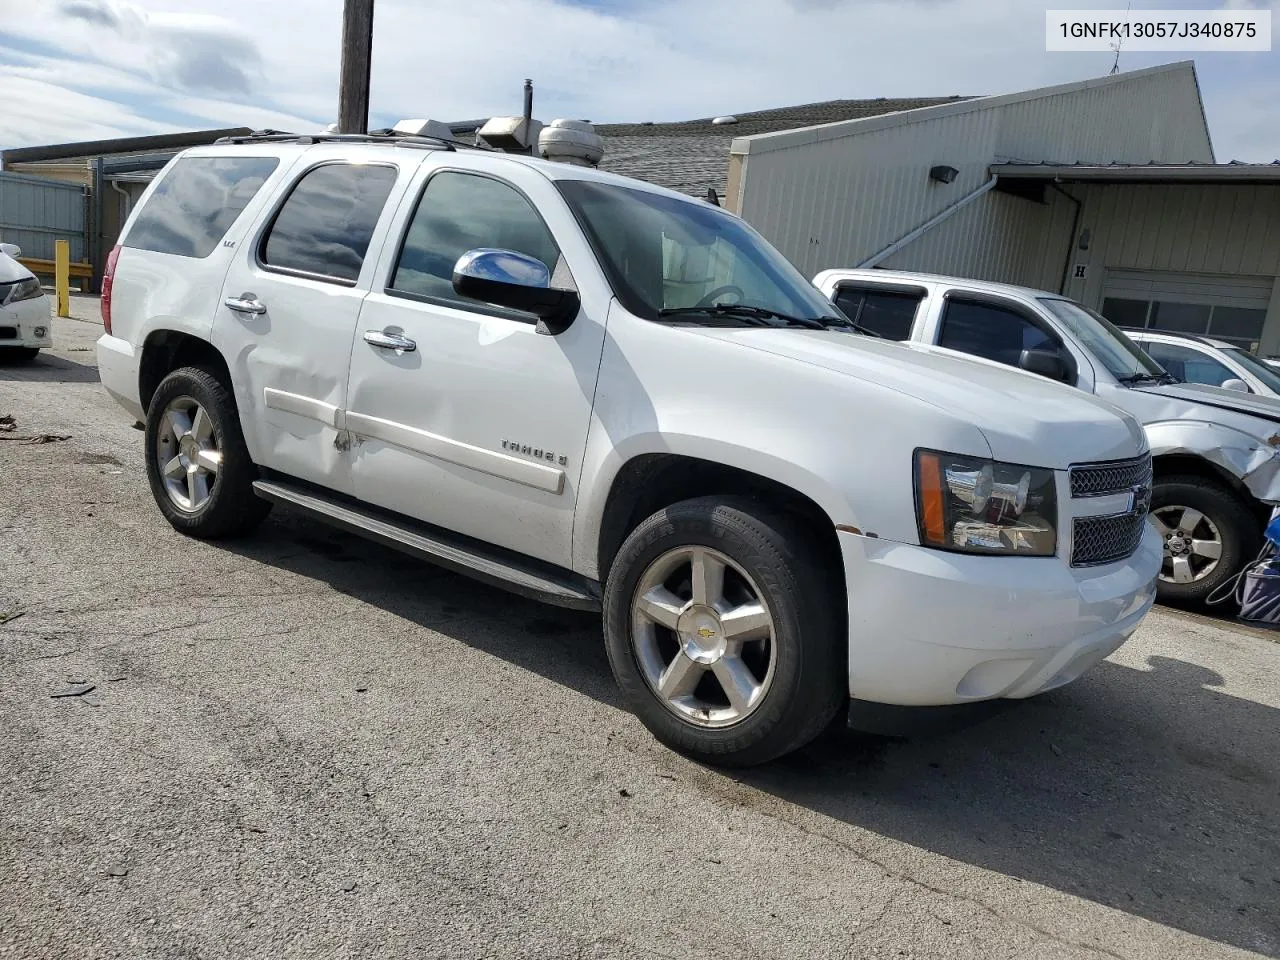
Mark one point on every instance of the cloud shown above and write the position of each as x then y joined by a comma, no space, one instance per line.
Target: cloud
612,61
38,112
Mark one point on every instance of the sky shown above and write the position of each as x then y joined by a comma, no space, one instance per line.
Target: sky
91,69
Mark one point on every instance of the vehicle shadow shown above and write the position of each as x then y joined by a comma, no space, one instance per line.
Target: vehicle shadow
46,368
1154,792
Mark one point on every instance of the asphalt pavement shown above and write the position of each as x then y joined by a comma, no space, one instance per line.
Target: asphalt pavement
305,745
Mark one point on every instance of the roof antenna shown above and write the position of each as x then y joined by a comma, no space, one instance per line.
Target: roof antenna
1115,65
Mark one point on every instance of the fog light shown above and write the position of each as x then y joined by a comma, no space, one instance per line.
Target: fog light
40,332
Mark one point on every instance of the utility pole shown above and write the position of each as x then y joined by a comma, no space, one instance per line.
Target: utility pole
357,57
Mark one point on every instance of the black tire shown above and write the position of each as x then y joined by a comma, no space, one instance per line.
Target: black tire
1237,525
232,508
19,355
810,678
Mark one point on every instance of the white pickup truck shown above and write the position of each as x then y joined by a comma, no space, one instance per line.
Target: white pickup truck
606,395
1216,452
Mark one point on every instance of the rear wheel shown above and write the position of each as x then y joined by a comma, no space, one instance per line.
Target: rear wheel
197,462
1209,533
722,628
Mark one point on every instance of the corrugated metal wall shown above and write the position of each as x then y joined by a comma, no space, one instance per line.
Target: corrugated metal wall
35,211
1213,231
832,196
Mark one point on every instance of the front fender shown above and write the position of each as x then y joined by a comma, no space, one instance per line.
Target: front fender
1252,461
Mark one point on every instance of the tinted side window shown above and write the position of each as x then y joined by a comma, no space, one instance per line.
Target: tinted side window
1188,364
888,313
991,332
460,212
196,202
325,225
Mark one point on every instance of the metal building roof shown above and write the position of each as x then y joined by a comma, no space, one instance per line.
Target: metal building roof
1234,172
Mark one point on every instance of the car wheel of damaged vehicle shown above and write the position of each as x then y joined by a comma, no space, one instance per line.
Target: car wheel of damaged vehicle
724,631
1208,534
197,462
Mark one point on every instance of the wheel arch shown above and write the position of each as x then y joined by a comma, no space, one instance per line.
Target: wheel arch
1189,464
167,350
649,482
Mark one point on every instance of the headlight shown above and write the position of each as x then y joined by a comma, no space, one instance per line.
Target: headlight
27,289
981,506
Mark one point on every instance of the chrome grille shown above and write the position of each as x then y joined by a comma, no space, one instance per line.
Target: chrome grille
1117,476
1099,540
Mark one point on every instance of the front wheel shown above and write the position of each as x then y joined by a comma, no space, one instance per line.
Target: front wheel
723,629
1209,534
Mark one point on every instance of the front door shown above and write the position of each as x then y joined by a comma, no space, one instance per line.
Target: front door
480,426
288,313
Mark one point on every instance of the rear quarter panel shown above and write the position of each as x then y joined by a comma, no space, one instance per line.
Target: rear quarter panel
162,291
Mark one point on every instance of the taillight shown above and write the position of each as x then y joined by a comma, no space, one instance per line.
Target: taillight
108,275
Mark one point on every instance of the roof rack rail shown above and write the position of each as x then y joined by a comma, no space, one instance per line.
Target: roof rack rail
374,136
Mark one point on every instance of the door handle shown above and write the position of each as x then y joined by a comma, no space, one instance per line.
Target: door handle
389,341
246,303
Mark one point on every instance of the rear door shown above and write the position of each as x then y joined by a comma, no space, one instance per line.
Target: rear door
890,312
289,305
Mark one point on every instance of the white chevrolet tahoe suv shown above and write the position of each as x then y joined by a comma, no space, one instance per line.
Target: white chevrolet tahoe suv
606,395
1216,452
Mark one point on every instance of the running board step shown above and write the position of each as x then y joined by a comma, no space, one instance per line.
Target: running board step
489,564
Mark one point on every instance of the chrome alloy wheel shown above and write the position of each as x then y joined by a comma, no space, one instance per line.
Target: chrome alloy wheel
1192,543
187,454
703,636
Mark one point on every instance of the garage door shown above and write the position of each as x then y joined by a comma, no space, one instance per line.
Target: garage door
1225,307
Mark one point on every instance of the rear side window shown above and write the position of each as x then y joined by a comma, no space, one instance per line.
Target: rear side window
196,202
324,227
991,332
889,313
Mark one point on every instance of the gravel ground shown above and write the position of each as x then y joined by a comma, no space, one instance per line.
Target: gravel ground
304,745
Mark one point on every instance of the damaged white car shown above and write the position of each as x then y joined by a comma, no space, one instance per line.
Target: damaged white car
24,312
1216,452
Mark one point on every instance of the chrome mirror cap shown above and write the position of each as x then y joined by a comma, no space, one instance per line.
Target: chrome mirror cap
503,266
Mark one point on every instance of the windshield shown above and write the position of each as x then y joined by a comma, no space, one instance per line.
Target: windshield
1267,374
1122,357
662,253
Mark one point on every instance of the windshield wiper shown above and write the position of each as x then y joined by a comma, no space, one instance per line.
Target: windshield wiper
745,311
1135,378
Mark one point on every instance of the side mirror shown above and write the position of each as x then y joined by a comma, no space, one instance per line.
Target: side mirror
1235,384
11,249
1047,363
506,278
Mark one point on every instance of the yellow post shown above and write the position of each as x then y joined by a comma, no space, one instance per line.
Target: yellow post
62,275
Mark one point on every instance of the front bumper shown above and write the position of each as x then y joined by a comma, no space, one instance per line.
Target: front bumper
929,628
27,323
118,370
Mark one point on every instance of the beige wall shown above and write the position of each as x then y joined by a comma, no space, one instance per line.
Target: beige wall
833,195
1215,232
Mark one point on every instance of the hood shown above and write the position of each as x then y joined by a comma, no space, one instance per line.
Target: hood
1184,399
11,271
1026,419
